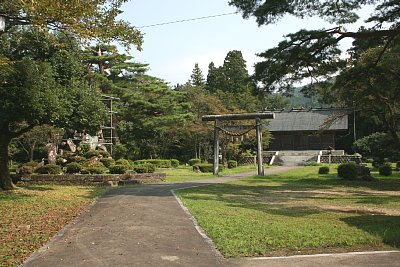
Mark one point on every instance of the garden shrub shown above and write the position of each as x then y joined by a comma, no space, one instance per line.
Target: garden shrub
347,170
323,170
92,153
61,161
103,153
385,169
118,169
83,148
312,163
73,167
369,160
49,169
174,163
123,162
31,164
159,163
232,164
206,167
25,170
193,162
144,168
108,162
93,170
119,151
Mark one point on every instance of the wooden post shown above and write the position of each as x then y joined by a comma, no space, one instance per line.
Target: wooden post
216,147
259,147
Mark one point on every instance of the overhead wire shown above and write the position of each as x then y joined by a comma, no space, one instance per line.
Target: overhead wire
186,20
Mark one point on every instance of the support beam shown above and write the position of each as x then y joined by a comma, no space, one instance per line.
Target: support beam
259,147
216,148
244,116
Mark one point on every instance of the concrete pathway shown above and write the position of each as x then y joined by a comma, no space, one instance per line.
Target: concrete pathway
146,226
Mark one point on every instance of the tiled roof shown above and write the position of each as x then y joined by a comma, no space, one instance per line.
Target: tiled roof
307,120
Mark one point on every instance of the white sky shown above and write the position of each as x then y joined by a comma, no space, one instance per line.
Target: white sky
172,50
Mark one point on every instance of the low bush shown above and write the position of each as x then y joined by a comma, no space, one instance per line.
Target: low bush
107,162
123,162
385,169
103,153
232,164
92,153
368,160
144,168
31,164
118,169
78,159
347,171
73,167
323,170
174,163
206,167
61,161
24,170
93,170
159,163
193,162
312,163
49,169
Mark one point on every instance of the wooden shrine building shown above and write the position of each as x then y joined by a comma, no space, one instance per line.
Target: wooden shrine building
306,129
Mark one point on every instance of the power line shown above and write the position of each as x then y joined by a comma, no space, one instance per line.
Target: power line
186,20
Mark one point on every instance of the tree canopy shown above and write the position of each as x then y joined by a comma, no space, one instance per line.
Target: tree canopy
95,20
315,54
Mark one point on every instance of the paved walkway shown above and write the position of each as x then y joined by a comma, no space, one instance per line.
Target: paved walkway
145,226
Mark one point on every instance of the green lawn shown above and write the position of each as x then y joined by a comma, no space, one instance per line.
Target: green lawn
298,212
185,173
31,215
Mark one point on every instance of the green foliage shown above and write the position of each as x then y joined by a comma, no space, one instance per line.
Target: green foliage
73,167
232,164
348,171
49,169
375,145
107,162
205,167
323,170
197,78
93,170
159,163
118,169
312,163
31,164
174,163
123,162
104,154
193,162
144,168
92,153
83,148
119,151
385,169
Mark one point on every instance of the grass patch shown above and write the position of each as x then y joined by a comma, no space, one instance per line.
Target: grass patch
31,215
185,173
298,212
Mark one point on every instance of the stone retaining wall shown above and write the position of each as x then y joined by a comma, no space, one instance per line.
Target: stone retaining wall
90,179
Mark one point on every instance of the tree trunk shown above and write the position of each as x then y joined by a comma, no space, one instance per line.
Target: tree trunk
5,179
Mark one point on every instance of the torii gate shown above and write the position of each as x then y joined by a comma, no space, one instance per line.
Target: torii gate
244,116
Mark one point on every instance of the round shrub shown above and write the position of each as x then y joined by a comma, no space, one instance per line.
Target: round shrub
206,167
385,169
78,159
104,153
347,170
73,167
232,164
118,169
31,164
25,170
61,161
323,170
145,168
108,162
174,163
48,169
83,148
93,170
122,162
92,153
193,162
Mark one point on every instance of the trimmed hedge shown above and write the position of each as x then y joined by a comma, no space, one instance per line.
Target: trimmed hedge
145,168
108,162
49,169
92,153
93,170
206,167
123,162
232,164
174,163
385,169
118,169
323,170
193,162
159,163
348,171
73,167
